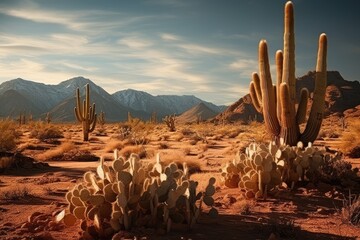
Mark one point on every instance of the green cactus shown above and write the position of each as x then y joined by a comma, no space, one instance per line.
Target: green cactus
170,122
85,113
277,103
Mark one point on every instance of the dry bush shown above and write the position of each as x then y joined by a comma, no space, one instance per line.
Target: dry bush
163,145
194,166
43,131
127,150
244,206
56,152
8,135
351,210
113,144
15,194
350,140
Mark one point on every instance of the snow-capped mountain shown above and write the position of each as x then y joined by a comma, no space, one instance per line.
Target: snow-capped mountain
24,96
161,104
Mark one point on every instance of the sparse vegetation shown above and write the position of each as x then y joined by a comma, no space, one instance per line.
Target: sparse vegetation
8,135
350,140
15,194
43,131
350,211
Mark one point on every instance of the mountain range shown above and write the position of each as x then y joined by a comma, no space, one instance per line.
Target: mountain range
342,98
24,96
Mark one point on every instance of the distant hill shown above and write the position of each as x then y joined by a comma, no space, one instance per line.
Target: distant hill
199,111
161,104
24,96
340,95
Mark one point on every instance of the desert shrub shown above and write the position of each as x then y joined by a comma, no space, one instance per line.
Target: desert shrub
15,194
8,135
337,171
163,145
351,210
44,131
56,152
350,139
136,131
127,150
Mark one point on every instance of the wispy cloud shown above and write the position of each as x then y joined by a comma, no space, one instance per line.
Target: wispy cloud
169,37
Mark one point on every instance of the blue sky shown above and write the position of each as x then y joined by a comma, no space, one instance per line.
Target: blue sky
206,48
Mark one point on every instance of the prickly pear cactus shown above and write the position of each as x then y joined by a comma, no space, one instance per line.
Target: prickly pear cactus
127,194
262,168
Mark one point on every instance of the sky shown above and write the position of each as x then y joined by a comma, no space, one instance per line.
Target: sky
206,48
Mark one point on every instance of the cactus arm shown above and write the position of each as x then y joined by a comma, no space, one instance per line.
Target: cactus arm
279,69
288,75
254,98
317,109
87,101
301,111
256,81
78,109
268,97
289,128
93,124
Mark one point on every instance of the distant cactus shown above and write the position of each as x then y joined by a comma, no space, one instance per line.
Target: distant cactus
170,122
153,118
22,119
85,113
277,103
101,119
48,118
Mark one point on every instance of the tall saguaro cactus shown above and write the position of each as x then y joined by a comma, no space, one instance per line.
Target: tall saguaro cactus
85,113
277,102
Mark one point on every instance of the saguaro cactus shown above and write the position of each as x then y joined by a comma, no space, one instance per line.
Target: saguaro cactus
85,113
278,103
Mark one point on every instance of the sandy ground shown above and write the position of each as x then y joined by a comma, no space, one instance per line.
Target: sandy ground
307,212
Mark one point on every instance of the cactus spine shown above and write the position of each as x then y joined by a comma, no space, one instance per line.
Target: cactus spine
277,103
85,113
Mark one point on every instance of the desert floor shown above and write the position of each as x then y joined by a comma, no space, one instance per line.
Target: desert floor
307,212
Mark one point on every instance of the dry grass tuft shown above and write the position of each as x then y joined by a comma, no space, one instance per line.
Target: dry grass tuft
56,152
8,135
351,210
128,150
43,131
15,194
350,139
113,144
